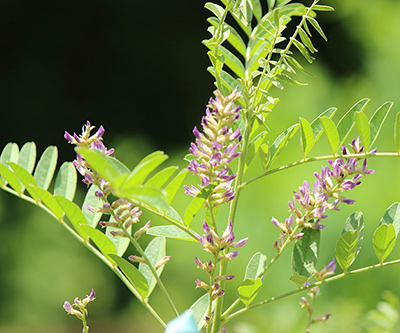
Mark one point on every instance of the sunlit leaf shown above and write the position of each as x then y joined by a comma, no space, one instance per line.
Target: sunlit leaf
155,251
160,178
217,10
392,216
136,278
282,141
27,156
26,179
256,266
331,133
150,196
303,50
91,200
307,137
48,199
305,253
121,243
397,132
316,26
355,222
46,166
383,240
74,214
11,178
170,231
103,243
195,205
175,184
377,120
199,310
248,290
316,125
363,128
253,148
66,179
345,250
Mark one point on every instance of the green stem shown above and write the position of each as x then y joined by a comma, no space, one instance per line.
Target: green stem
316,284
94,251
219,300
152,269
314,159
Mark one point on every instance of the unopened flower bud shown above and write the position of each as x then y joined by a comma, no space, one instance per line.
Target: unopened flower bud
141,230
163,261
137,259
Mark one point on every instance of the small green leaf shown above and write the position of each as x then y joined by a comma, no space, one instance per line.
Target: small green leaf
383,240
151,196
397,133
104,244
217,10
271,4
303,50
316,125
392,216
256,266
93,201
161,177
346,248
48,199
307,41
27,156
282,141
11,178
307,137
322,8
26,179
253,148
136,278
199,310
264,155
377,120
298,279
66,179
143,169
175,184
74,214
355,222
331,133
286,78
316,26
170,231
195,205
248,290
346,123
363,128
46,166
257,9
155,251
232,61
305,253
121,243
10,153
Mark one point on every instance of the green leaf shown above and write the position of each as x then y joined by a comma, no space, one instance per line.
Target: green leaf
363,128
331,133
155,251
136,278
27,156
248,290
104,244
305,253
48,199
286,78
397,132
199,310
347,122
271,4
26,179
256,266
257,9
229,83
121,243
66,179
143,169
217,10
10,153
170,231
346,248
316,26
253,148
93,201
195,205
298,279
74,214
377,120
232,61
307,41
383,240
322,8
175,184
282,141
355,222
264,155
46,166
307,137
11,178
161,177
316,125
150,196
392,216
303,50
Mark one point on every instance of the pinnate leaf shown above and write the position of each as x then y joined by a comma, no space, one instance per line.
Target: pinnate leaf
46,166
331,133
383,240
282,141
363,129
27,156
256,265
377,120
66,179
345,250
195,205
307,137
248,290
103,243
169,231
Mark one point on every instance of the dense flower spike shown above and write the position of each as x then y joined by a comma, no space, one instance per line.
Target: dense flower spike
339,176
215,148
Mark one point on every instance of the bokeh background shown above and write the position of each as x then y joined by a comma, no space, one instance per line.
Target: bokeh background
139,69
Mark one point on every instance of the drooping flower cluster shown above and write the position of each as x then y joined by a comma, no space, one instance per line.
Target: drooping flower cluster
214,244
78,308
339,176
215,148
314,292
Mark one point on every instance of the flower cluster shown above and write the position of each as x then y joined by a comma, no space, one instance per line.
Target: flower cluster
215,148
85,140
339,176
214,244
78,308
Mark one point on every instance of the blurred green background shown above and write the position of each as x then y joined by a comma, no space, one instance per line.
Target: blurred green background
138,68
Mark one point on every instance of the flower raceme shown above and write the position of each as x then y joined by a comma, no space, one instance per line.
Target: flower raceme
339,176
215,148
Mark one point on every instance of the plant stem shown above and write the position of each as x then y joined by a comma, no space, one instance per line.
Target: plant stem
316,284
